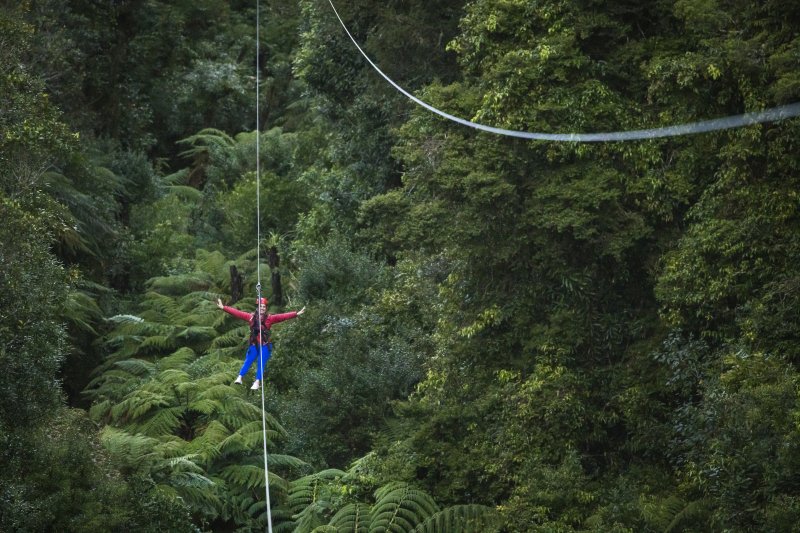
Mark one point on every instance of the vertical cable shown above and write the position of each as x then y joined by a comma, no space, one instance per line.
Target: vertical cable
258,269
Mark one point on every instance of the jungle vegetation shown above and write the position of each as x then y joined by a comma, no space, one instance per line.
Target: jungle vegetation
501,334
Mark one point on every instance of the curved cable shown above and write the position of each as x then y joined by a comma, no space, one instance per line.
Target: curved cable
746,119
258,272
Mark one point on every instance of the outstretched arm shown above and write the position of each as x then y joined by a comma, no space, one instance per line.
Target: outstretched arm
235,312
274,319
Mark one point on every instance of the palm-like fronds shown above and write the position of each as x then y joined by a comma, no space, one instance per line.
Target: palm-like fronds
252,477
353,517
461,519
233,337
173,412
178,359
671,513
399,506
306,490
81,310
201,141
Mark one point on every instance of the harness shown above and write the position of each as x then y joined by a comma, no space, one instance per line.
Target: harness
256,328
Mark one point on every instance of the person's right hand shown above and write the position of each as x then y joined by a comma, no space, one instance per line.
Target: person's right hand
219,303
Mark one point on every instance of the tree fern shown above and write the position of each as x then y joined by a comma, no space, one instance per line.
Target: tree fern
185,192
250,476
199,143
461,519
248,437
178,285
694,512
136,452
163,422
136,367
138,403
176,416
234,337
81,309
157,343
400,507
172,377
178,359
353,517
312,516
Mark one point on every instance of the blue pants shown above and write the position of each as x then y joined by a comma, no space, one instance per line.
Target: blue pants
252,355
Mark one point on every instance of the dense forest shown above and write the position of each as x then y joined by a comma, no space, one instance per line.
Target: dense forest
500,334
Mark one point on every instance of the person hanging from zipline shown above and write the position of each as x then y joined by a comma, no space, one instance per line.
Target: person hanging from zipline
260,325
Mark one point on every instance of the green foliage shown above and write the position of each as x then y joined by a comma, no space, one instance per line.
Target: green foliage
34,287
65,481
171,413
326,497
520,336
359,347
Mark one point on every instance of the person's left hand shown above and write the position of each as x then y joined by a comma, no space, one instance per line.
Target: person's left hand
303,310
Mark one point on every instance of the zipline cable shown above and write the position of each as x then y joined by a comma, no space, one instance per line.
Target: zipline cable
746,119
258,272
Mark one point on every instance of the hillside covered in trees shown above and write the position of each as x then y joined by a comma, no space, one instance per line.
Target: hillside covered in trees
501,335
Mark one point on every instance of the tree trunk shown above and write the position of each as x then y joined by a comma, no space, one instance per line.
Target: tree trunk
237,285
274,263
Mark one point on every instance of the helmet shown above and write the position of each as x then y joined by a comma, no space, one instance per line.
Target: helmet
262,301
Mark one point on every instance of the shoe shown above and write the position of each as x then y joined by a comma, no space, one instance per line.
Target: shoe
256,385
238,380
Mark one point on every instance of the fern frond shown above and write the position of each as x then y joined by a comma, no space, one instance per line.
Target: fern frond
179,284
173,377
252,477
233,337
190,479
138,403
99,410
306,490
165,421
312,517
208,136
212,261
398,504
199,494
667,514
286,461
184,463
353,517
185,192
195,334
176,177
329,474
695,512
461,519
247,438
157,343
136,367
81,309
215,433
217,392
248,476
133,451
178,359
206,407
125,319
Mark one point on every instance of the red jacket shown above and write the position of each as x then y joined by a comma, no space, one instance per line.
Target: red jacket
267,321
